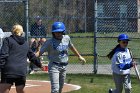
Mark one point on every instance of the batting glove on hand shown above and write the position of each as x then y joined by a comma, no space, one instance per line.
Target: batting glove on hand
82,59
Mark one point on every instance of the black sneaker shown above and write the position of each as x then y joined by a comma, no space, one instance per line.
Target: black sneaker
110,91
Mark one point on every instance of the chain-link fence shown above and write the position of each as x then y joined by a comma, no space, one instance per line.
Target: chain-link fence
77,16
116,17
11,12
93,26
74,13
113,17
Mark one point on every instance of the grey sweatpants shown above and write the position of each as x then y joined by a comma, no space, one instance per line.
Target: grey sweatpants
120,81
57,74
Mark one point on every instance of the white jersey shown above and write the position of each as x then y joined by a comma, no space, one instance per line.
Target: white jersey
1,37
1,33
57,49
121,57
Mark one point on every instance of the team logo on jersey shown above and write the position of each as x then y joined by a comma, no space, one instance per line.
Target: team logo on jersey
119,56
62,47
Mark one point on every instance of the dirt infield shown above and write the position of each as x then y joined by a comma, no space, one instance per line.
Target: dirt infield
36,86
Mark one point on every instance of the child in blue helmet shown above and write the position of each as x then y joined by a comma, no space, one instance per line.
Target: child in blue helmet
121,63
57,48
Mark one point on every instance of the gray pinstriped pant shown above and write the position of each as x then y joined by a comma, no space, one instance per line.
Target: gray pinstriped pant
57,74
120,81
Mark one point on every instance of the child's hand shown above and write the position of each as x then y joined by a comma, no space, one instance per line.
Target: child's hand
134,63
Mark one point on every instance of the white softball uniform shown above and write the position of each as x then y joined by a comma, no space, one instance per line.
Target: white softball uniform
121,77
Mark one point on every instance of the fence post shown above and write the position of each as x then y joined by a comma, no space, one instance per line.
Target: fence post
85,16
26,5
95,41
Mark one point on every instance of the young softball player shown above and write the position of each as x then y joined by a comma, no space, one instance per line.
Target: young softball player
57,48
121,64
13,61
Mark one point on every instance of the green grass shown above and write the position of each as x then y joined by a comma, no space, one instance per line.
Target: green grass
90,83
96,83
104,45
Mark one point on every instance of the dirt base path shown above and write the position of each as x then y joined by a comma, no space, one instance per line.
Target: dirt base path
36,86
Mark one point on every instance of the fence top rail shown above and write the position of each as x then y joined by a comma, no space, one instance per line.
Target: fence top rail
70,36
11,1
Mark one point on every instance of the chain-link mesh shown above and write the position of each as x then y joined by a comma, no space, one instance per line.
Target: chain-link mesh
11,13
113,17
72,12
77,15
116,17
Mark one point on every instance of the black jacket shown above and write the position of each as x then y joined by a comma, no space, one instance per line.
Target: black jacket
13,56
38,30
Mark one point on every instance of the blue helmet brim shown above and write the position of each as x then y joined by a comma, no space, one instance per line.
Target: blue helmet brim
124,40
58,30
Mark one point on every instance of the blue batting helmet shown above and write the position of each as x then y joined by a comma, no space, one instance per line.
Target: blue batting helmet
58,27
123,37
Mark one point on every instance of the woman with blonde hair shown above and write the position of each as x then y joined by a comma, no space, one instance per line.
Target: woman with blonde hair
13,61
17,30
